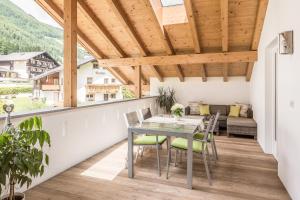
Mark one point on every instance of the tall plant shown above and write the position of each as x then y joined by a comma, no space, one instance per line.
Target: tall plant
166,99
21,154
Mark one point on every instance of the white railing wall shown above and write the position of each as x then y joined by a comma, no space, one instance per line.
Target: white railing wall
80,133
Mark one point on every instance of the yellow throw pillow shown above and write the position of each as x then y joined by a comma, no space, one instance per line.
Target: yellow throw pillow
204,109
234,111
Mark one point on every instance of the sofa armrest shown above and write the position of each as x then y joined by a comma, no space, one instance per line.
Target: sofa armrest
187,110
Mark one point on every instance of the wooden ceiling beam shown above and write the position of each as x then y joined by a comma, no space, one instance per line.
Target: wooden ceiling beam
188,4
192,23
228,57
178,68
224,28
88,12
120,13
70,54
260,17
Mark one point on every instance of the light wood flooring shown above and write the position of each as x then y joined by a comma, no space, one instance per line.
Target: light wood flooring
243,171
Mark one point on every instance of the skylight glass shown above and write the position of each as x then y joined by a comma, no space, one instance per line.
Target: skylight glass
166,3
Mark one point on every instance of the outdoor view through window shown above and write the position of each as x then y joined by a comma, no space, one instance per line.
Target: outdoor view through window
31,62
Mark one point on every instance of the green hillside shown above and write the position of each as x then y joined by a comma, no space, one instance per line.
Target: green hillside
20,32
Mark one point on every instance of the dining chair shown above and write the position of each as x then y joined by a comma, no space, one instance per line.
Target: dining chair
211,138
132,119
145,113
199,147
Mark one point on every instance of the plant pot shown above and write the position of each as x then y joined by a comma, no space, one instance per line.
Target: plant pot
18,196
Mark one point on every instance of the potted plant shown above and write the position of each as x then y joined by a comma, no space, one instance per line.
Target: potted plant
21,154
166,99
177,110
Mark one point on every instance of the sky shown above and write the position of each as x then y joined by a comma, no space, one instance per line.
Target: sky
32,8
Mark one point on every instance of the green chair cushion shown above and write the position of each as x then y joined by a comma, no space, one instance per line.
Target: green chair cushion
149,140
182,143
200,136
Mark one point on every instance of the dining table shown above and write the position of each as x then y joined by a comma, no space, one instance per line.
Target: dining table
166,125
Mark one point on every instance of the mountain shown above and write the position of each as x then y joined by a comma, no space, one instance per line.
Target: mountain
20,32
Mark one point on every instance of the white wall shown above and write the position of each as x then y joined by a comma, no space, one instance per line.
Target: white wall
214,91
78,134
281,16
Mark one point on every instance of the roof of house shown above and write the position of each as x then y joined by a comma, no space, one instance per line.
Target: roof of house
47,73
21,56
86,60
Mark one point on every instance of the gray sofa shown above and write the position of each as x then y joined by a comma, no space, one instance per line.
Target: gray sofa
234,125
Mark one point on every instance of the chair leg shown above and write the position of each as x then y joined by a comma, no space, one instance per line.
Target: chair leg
208,157
137,154
180,157
168,161
158,158
206,167
176,157
215,149
142,153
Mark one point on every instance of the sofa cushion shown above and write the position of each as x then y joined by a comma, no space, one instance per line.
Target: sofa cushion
194,107
218,108
241,121
234,111
204,109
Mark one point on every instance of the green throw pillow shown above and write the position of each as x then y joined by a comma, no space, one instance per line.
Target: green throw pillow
234,111
204,110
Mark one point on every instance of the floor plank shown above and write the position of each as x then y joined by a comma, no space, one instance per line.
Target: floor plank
243,171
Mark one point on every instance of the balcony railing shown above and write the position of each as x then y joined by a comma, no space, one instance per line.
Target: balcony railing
50,87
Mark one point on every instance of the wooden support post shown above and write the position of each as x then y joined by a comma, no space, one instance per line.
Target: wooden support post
138,82
70,53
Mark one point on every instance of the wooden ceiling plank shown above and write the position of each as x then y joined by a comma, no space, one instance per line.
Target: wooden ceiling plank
192,23
120,13
224,28
260,17
88,12
224,24
122,16
228,57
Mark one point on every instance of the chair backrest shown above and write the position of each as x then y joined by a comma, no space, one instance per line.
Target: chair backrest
146,113
208,128
131,118
215,122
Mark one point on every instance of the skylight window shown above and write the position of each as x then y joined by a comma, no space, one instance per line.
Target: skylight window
166,3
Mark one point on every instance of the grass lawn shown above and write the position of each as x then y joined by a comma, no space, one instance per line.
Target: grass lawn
23,104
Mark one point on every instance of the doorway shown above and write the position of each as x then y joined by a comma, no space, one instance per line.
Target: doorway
272,98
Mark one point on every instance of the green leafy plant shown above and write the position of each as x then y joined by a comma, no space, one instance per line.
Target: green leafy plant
166,99
21,154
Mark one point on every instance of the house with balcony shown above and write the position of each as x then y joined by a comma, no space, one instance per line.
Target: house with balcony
232,67
95,83
25,65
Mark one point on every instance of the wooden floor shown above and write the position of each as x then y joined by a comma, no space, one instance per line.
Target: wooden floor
242,172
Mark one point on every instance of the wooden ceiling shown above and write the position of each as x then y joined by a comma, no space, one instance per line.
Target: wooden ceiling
202,38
